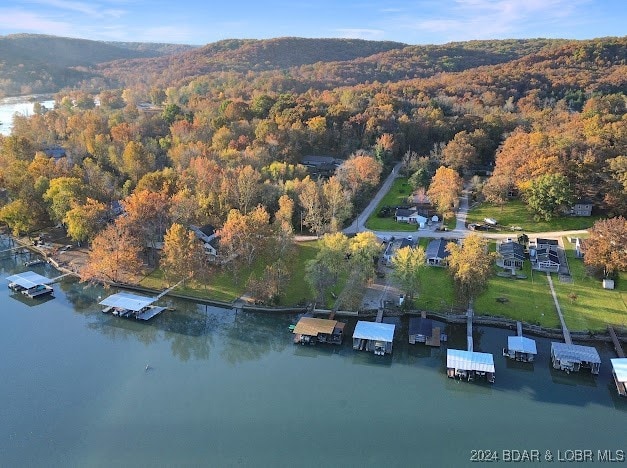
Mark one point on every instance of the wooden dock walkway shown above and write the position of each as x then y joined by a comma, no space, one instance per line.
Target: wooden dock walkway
519,328
617,346
379,315
163,293
469,314
434,339
565,331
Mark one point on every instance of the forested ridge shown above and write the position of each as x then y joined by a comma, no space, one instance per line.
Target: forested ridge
229,124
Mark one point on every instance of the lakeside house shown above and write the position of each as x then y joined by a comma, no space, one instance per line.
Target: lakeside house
520,348
468,365
511,255
31,284
310,330
573,358
543,254
373,337
324,166
582,207
208,237
436,253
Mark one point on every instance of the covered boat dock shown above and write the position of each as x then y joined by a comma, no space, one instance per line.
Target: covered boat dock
619,371
421,330
125,304
469,364
31,284
310,330
572,357
520,348
373,336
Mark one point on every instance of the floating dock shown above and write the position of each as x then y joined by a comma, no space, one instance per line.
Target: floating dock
310,330
572,358
520,348
469,365
619,372
374,337
125,304
31,284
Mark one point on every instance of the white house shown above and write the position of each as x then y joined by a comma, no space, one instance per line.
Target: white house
410,216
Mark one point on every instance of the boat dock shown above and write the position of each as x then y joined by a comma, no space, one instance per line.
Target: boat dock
619,372
469,339
30,284
520,348
125,304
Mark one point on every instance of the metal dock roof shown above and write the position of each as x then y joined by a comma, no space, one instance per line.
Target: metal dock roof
575,353
313,326
374,331
29,279
521,344
620,368
128,301
420,326
469,360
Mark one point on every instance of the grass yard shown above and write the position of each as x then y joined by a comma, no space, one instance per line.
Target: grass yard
515,213
222,285
593,307
528,300
397,195
437,292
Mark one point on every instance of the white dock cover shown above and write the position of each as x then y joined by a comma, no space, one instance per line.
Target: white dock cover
520,344
128,301
469,360
29,279
575,353
620,369
374,331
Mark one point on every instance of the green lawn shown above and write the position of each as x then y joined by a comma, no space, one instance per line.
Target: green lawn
515,213
397,195
437,292
222,285
594,307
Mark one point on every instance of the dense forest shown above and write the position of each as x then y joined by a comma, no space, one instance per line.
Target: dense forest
216,135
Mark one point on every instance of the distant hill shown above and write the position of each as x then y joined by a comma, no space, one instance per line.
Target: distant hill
243,56
33,63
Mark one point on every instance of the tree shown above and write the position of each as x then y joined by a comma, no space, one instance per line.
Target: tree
548,195
445,189
337,203
19,216
607,245
85,221
245,236
359,173
183,255
283,223
420,178
364,248
407,263
247,187
310,198
496,190
470,265
148,215
270,287
114,255
137,161
459,153
62,194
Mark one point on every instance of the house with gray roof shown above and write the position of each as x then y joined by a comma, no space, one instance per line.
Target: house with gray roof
436,253
511,255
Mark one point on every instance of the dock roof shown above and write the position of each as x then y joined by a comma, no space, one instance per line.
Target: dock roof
575,353
469,360
420,326
620,368
374,331
128,301
521,344
313,326
29,279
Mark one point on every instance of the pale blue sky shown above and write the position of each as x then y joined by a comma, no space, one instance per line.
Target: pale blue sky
409,21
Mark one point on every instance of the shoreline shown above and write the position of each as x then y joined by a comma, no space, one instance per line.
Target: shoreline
239,305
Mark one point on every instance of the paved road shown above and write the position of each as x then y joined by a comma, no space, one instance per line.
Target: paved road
358,224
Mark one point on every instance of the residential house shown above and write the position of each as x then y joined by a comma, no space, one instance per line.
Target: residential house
549,244
436,253
321,165
207,235
394,245
582,207
411,216
545,260
512,255
420,201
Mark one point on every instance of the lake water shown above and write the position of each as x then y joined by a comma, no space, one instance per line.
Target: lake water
22,105
230,389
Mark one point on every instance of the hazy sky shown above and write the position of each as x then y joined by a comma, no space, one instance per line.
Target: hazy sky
412,22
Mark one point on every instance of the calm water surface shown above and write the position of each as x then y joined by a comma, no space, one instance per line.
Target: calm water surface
229,389
22,105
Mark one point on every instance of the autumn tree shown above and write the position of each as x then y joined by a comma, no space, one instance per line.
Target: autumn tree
148,215
114,255
270,287
359,173
470,265
459,153
137,160
182,256
283,223
62,194
337,204
312,203
246,236
84,221
364,249
19,216
548,195
606,247
445,189
408,263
